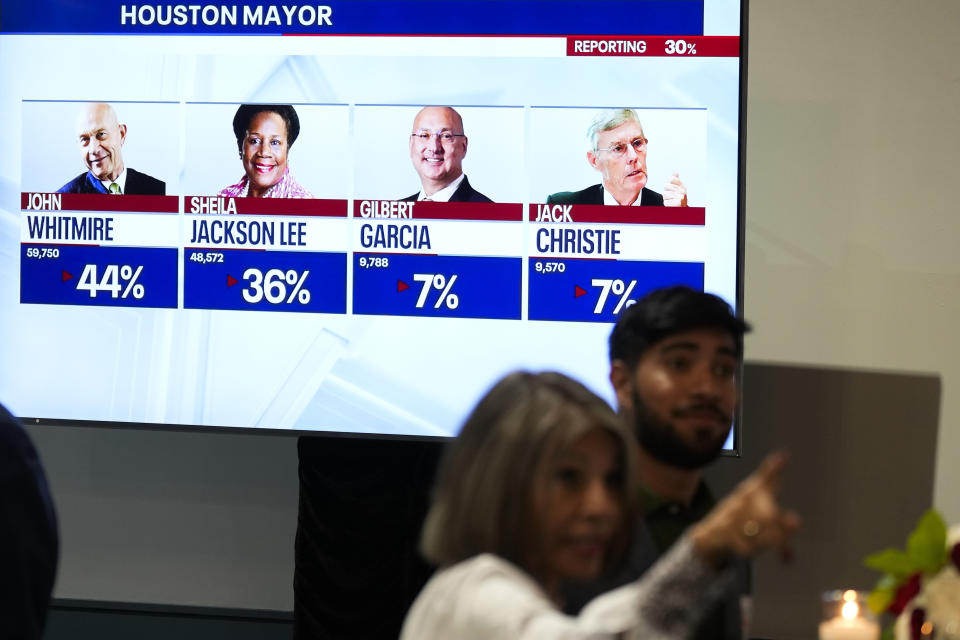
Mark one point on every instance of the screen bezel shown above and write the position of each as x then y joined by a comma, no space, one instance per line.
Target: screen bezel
739,287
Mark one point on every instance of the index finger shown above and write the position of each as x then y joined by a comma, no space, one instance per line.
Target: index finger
771,469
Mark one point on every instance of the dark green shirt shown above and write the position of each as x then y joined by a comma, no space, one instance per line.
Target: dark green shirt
666,521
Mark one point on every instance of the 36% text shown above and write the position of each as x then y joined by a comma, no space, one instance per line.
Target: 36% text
273,286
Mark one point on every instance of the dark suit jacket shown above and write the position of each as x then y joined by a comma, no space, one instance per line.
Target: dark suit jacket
464,193
137,184
594,195
28,535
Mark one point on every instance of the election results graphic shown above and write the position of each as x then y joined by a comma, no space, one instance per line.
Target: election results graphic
350,216
265,254
588,262
73,252
440,259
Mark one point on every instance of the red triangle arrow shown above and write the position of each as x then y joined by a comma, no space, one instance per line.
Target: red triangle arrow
577,291
65,275
402,286
231,280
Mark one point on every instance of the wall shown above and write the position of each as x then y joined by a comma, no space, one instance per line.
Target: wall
842,429
179,518
852,226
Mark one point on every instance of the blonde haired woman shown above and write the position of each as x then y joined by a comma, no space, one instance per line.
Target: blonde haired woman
538,490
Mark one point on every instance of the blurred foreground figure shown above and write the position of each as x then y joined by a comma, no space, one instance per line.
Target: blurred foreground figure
538,490
28,535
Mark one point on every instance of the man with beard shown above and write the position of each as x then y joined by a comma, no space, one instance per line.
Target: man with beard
674,361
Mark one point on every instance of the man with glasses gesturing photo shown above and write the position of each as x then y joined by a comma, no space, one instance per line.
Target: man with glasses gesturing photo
438,145
618,150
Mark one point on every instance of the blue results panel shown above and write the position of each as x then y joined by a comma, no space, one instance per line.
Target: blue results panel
590,262
267,254
476,17
438,286
265,280
585,290
99,250
99,276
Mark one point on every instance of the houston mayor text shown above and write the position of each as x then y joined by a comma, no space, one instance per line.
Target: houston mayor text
210,15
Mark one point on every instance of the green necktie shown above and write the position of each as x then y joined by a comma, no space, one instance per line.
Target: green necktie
114,188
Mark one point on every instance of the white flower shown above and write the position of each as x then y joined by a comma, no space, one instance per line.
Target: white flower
953,536
942,594
940,597
901,628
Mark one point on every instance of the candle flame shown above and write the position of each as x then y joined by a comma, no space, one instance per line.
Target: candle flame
850,610
849,595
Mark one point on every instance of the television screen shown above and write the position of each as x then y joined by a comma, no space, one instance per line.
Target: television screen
350,217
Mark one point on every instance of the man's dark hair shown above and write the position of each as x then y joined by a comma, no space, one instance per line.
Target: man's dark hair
246,113
664,312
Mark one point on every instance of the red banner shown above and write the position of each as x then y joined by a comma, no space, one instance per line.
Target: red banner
594,213
266,206
427,210
98,202
669,46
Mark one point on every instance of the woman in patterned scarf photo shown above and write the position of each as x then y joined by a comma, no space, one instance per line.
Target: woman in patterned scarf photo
265,133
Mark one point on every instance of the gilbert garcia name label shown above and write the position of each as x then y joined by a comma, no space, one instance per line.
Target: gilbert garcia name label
438,237
380,209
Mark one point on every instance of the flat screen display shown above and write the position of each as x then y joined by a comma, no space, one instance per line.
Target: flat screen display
350,217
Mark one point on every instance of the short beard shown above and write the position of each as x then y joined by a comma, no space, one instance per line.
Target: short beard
659,438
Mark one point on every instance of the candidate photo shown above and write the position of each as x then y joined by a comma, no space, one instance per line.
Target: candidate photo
101,146
267,150
440,153
265,134
630,167
438,146
100,138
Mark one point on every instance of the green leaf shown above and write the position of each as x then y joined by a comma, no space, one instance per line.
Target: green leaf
891,560
880,598
927,545
888,581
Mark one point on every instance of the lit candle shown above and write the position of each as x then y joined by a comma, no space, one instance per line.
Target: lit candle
849,625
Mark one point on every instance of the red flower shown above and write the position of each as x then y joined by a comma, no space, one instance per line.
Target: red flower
955,556
905,594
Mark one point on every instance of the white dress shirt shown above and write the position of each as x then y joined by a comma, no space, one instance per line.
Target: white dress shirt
444,194
121,180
